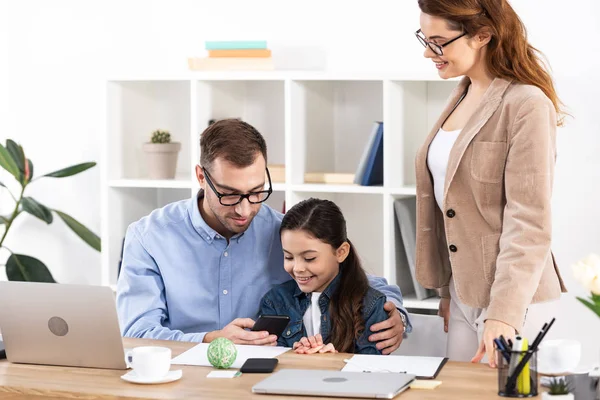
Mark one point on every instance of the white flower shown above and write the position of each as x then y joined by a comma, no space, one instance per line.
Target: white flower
587,271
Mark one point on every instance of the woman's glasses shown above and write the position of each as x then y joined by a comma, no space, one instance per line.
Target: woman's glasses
436,48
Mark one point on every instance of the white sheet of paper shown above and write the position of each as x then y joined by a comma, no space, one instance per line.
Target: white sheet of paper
227,374
424,367
197,354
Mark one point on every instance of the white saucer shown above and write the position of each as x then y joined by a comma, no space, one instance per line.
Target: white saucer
172,376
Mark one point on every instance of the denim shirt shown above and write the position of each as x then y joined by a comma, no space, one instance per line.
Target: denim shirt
288,299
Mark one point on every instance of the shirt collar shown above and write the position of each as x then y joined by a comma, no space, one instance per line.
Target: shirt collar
200,225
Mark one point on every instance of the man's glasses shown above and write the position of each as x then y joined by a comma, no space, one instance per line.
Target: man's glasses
436,48
234,199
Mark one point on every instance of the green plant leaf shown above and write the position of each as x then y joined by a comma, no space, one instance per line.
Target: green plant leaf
72,170
84,233
594,307
8,163
36,209
596,298
18,156
3,220
30,169
20,267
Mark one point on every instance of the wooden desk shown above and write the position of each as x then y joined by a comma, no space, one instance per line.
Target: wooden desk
19,381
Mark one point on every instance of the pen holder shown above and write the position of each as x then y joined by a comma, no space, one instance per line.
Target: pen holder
526,383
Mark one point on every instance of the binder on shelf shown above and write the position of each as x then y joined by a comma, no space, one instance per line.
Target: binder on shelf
360,170
370,168
406,217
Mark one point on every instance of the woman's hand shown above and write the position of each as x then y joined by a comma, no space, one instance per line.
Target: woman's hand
492,330
444,312
313,344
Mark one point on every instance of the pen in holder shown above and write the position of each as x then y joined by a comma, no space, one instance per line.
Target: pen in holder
511,382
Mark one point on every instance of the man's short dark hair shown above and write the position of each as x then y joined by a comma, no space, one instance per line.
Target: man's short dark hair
232,139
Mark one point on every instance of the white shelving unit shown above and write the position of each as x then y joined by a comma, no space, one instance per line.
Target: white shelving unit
312,122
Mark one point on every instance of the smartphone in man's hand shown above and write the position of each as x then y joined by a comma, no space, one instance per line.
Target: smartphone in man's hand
274,324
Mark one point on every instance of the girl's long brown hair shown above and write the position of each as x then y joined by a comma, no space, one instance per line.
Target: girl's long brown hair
509,55
323,220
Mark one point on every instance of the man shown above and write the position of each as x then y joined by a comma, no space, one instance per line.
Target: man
197,269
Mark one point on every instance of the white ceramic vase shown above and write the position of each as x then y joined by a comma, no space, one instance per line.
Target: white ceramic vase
161,159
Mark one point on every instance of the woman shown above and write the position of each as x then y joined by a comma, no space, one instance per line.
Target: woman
484,177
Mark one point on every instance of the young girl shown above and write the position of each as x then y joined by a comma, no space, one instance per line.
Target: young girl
329,301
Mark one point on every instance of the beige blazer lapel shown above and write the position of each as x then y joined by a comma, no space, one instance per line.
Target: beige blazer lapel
421,168
490,102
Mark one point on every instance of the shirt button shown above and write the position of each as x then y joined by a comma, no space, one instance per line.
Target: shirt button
225,291
452,248
450,213
225,254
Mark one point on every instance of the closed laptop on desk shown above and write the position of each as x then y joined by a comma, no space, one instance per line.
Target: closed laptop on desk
334,383
59,324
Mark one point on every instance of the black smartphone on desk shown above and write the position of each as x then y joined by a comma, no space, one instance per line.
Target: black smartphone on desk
259,365
274,324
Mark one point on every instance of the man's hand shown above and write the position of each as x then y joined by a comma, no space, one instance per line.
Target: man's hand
492,330
444,312
313,344
390,331
237,333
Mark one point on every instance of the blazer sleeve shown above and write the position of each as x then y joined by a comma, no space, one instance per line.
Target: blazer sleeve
527,225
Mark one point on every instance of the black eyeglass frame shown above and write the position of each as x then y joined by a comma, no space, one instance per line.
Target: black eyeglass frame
241,196
434,46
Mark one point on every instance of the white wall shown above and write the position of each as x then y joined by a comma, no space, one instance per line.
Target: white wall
55,54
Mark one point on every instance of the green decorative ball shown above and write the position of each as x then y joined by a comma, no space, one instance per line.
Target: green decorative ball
221,353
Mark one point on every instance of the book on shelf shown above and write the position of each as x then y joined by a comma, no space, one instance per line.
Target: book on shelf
277,172
329,177
234,55
231,64
369,171
235,44
250,53
406,237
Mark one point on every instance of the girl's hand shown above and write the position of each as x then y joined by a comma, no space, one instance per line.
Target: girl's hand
492,330
313,344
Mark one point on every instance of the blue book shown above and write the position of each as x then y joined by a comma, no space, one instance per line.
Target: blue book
373,174
236,45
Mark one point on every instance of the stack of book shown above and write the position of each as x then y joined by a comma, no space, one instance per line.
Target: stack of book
234,55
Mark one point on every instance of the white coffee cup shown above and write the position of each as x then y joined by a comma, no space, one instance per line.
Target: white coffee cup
558,356
151,362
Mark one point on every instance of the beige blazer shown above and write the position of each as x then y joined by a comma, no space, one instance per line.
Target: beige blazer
494,234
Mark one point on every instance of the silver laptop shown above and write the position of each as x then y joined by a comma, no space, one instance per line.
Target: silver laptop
60,324
334,383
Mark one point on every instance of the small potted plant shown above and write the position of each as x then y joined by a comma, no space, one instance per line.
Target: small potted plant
559,389
161,155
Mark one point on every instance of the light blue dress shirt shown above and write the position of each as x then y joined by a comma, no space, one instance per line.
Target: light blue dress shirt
181,279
